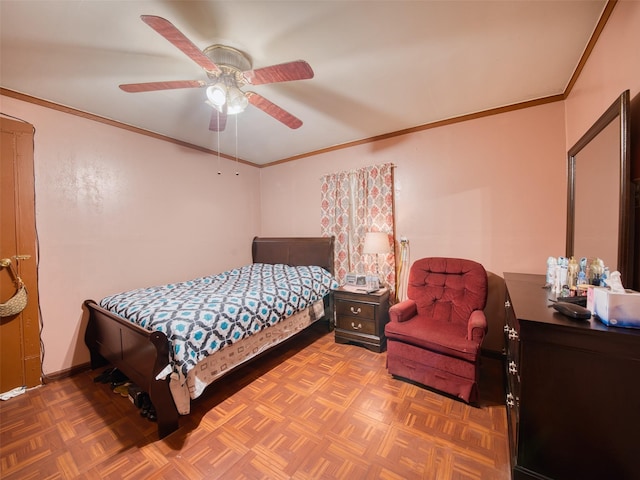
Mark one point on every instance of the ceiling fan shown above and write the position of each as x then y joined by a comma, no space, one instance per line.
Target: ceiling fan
228,69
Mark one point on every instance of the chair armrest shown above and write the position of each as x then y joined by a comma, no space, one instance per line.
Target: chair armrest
477,326
403,311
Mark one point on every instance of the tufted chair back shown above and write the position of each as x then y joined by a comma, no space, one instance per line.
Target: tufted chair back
447,289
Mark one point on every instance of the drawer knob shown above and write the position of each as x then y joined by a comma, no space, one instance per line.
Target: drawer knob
358,327
355,311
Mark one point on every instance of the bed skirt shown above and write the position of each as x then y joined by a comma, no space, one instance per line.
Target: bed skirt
224,360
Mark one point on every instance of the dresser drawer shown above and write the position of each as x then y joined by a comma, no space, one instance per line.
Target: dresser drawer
356,324
355,309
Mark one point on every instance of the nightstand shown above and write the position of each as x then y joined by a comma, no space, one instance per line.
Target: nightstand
361,317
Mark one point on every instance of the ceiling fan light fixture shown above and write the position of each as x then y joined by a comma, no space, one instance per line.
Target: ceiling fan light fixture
217,94
219,108
236,101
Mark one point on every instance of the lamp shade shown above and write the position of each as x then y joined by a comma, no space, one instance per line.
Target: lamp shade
236,101
217,94
376,243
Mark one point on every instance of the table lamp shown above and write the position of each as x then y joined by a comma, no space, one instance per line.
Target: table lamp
376,243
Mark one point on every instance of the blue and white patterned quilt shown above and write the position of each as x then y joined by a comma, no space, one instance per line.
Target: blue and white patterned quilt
203,315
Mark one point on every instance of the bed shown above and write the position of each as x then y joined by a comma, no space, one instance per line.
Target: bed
146,356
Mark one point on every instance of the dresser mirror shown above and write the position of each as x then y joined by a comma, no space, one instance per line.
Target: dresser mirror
599,192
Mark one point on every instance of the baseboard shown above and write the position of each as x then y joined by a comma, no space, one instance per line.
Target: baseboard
68,372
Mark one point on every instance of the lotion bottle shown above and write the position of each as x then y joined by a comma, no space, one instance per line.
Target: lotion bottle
551,271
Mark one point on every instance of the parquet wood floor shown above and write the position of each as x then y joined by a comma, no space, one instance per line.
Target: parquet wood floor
311,409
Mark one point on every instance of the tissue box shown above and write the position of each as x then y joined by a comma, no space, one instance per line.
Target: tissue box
617,309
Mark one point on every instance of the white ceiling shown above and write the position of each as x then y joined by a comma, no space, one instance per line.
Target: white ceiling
380,66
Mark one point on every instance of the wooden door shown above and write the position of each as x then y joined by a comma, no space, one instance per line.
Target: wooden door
20,363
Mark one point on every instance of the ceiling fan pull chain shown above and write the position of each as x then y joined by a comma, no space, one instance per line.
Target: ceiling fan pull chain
237,173
218,143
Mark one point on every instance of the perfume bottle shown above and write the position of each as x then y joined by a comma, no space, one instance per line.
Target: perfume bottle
572,272
596,269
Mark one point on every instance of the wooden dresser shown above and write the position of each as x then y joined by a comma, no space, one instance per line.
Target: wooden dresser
573,390
361,317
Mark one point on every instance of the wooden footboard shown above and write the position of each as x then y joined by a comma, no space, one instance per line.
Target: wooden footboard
137,353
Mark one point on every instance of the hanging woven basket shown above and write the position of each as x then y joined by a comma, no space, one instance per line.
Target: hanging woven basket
18,301
15,304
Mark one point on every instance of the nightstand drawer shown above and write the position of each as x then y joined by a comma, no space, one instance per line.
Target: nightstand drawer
355,309
356,324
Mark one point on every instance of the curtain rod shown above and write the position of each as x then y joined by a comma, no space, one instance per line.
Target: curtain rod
393,165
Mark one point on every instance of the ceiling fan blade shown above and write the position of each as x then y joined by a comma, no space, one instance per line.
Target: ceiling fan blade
152,86
284,72
176,37
272,109
218,121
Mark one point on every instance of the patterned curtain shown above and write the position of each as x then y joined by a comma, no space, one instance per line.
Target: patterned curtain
352,204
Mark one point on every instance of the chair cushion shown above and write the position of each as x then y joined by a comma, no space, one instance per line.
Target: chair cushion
434,334
447,288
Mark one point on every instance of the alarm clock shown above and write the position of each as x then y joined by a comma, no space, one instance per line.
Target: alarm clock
364,282
356,280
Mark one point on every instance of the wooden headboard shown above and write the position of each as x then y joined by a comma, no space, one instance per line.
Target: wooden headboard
294,251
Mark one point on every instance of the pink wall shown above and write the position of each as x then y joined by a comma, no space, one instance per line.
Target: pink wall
491,189
116,210
613,67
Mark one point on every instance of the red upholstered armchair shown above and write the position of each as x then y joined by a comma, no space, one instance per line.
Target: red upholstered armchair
434,336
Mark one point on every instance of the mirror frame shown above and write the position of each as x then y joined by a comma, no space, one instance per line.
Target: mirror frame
618,110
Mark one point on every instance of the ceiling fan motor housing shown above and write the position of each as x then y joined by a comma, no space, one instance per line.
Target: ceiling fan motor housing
231,61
